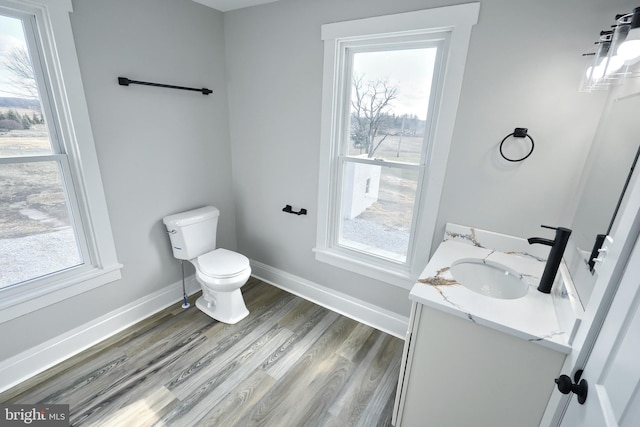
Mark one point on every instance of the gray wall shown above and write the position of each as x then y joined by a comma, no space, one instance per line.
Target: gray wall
523,70
163,151
160,151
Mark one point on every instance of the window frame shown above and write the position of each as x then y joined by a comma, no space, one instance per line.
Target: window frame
453,24
52,46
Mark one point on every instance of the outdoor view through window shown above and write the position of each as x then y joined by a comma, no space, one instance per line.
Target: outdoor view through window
383,151
36,233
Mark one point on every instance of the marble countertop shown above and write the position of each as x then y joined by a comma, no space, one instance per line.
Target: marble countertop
534,317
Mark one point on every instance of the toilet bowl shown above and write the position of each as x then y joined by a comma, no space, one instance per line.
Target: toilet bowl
220,272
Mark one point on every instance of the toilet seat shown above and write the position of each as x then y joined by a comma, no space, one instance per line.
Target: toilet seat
222,264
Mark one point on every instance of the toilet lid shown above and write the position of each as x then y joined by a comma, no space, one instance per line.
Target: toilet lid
222,263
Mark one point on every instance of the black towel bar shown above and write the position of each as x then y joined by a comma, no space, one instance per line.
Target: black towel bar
123,81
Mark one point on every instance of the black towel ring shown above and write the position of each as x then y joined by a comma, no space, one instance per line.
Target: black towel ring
517,133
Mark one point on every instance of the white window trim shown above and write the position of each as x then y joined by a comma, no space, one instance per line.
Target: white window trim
59,52
457,21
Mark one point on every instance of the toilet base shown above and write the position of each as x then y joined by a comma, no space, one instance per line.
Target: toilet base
226,307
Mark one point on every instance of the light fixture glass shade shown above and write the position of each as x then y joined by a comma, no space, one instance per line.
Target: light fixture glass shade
614,64
595,72
594,75
630,48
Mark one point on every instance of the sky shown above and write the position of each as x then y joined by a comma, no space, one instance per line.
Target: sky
410,69
11,37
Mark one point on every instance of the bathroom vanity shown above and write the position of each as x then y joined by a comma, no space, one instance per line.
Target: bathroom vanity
471,359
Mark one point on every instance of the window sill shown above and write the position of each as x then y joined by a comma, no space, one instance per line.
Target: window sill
27,298
384,273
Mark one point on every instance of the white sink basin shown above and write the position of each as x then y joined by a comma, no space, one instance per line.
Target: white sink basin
489,278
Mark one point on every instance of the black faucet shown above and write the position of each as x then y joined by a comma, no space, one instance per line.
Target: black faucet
555,255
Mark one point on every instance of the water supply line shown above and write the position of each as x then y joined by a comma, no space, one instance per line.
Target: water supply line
185,303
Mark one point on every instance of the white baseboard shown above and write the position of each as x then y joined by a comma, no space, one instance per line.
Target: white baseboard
43,356
361,311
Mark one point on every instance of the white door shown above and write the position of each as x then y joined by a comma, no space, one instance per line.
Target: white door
613,368
621,264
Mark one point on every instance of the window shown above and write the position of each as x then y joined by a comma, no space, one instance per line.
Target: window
53,236
385,142
38,236
386,128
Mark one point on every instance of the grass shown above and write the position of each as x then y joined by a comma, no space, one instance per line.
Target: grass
32,198
410,149
35,235
394,208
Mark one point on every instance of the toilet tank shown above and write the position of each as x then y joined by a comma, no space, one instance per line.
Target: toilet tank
192,233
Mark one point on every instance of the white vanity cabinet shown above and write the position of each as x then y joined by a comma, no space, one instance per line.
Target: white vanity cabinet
456,372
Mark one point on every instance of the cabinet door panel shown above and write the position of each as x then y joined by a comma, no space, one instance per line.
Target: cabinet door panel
462,373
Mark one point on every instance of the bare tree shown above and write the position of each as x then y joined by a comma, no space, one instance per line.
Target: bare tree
369,114
19,63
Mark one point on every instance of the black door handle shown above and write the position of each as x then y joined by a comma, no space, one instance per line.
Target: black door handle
566,386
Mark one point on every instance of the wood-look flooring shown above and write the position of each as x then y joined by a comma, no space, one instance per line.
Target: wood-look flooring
289,363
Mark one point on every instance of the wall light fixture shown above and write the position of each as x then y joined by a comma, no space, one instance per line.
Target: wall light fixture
617,55
629,49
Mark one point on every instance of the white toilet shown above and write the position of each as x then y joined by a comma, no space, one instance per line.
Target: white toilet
220,272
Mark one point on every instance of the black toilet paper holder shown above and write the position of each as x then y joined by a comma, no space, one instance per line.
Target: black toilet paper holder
289,209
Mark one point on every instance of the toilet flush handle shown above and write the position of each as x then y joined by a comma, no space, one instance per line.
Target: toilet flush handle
172,231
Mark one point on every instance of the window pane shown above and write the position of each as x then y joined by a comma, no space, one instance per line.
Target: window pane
22,128
390,93
36,236
377,209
